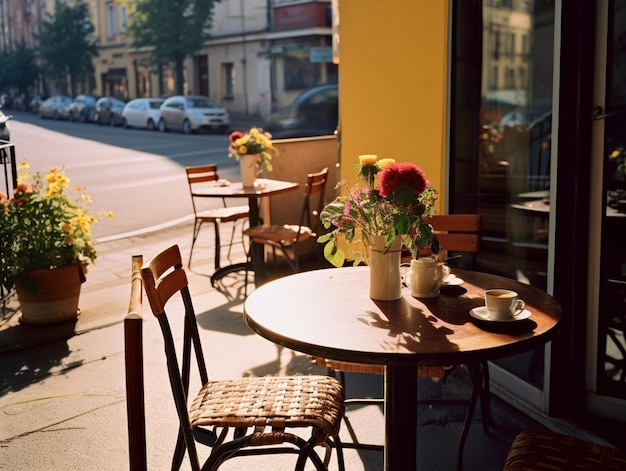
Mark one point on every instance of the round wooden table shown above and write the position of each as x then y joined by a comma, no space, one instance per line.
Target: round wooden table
328,313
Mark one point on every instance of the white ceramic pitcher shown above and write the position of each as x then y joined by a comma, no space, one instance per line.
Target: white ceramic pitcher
425,277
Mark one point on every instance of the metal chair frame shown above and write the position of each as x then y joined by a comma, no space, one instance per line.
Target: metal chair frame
207,419
205,174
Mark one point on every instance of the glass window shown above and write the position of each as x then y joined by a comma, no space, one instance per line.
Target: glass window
228,69
110,20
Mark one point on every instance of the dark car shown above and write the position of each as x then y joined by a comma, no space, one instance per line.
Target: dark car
83,109
55,107
109,111
315,112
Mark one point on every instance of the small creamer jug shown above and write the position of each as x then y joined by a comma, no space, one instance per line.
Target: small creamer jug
425,277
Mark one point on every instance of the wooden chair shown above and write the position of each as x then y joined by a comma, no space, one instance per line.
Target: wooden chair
542,449
287,238
261,412
458,233
205,174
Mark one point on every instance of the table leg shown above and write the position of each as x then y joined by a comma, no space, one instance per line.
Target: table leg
400,418
257,254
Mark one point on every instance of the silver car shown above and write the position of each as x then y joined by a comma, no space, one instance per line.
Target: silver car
55,107
142,113
193,113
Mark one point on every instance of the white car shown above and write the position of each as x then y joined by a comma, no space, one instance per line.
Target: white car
193,113
5,132
142,113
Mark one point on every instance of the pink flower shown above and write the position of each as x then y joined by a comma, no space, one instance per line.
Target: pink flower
401,173
235,135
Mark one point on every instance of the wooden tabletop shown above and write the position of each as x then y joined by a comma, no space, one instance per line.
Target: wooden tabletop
328,313
262,187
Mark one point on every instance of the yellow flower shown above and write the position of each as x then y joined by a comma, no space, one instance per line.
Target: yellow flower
242,150
110,214
384,163
23,165
368,159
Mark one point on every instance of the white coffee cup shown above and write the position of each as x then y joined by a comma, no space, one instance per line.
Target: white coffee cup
425,277
503,304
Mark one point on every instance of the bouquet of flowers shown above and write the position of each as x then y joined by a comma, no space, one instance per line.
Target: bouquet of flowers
42,226
255,141
396,200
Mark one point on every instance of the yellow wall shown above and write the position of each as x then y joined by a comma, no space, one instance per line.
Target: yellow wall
392,80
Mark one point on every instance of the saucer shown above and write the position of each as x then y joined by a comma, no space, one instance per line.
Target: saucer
482,314
451,280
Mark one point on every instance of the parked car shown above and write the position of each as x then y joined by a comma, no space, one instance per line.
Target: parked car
5,131
35,102
109,111
142,113
193,113
55,107
83,108
315,112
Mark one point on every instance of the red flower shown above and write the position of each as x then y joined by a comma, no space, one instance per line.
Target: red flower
235,135
401,173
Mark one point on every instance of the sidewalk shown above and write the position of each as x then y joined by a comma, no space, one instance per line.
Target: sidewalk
62,388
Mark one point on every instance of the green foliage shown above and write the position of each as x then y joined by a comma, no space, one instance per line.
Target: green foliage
43,225
396,200
174,29
19,68
66,45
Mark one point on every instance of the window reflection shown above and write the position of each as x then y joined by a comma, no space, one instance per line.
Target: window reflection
515,150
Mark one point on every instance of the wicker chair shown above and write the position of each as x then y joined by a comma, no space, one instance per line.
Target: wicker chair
541,450
205,174
458,233
262,413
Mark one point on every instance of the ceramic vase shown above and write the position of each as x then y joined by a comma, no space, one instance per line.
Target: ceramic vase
248,165
385,280
56,296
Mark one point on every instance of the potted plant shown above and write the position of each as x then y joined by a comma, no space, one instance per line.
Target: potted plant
370,223
45,244
254,151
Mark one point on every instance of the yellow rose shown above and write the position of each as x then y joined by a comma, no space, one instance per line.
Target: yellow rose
384,163
368,159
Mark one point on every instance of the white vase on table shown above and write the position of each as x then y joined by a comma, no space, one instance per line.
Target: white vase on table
385,279
249,167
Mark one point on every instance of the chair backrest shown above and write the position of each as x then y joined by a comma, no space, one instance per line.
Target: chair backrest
164,276
457,232
315,185
200,174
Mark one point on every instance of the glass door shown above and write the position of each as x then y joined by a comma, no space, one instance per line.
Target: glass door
606,380
514,163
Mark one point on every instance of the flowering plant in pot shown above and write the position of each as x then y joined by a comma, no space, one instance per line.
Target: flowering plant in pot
254,141
396,200
44,226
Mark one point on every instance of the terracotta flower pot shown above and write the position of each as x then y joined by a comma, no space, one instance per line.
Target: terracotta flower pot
56,299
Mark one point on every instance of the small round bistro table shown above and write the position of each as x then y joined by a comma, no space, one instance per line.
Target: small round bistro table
328,313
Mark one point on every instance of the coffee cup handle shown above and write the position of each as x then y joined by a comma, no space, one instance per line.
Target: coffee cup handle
406,279
519,307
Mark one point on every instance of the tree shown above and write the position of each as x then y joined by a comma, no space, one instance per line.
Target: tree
66,45
174,29
21,68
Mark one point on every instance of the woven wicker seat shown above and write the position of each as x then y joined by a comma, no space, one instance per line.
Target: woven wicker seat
258,411
543,450
287,238
204,175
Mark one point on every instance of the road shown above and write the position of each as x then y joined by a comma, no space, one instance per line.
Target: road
137,174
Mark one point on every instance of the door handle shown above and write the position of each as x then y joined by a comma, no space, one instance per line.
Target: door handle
597,113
